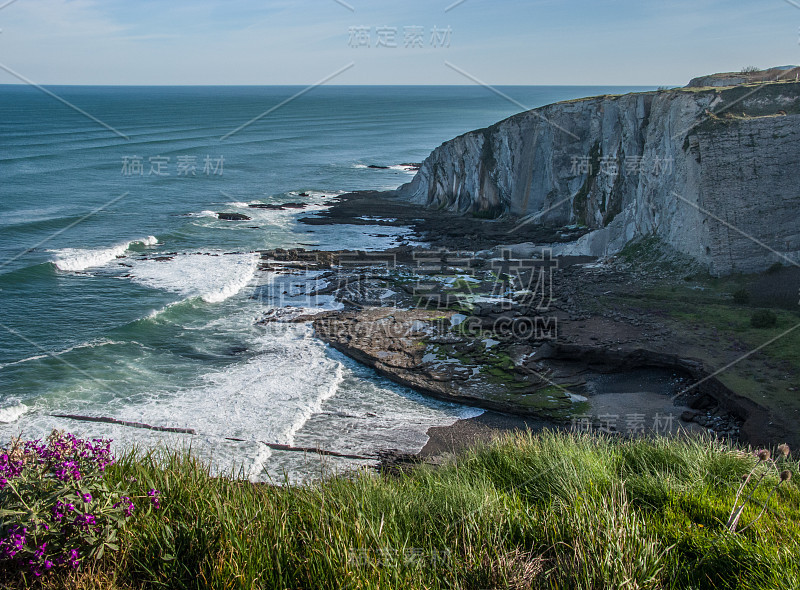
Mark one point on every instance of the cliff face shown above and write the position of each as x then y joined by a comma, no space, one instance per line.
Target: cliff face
656,163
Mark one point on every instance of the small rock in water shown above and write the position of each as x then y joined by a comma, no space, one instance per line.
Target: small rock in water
232,217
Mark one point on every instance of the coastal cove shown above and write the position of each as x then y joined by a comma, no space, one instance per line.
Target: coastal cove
250,324
146,313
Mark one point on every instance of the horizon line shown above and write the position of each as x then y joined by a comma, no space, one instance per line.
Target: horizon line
22,84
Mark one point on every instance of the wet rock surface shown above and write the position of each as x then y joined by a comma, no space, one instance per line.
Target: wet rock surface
232,217
417,348
472,335
439,229
281,207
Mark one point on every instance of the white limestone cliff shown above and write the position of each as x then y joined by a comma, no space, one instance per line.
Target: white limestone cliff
713,172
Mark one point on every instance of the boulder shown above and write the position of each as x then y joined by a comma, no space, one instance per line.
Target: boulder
233,217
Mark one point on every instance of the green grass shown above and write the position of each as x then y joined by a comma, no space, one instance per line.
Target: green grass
712,327
548,511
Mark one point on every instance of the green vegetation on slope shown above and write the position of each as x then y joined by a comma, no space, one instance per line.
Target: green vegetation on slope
548,511
715,324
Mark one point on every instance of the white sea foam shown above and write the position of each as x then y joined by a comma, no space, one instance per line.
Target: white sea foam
402,168
316,406
214,277
234,411
35,357
290,389
11,413
267,398
369,413
372,218
79,259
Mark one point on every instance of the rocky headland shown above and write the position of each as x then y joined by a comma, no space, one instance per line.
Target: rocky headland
582,264
707,169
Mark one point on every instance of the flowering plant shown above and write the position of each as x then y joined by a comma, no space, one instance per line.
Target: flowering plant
765,463
56,509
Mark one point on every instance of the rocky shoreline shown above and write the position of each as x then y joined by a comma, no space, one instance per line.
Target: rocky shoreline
437,228
470,325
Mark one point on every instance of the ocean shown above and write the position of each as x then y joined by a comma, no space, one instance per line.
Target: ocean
122,295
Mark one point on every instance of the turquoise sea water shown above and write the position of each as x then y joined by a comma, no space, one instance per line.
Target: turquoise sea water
91,324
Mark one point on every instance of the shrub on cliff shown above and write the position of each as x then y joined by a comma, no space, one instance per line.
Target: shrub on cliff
741,296
763,319
56,509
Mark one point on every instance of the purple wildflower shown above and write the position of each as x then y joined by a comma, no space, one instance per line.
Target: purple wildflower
59,462
85,521
154,498
58,511
14,543
127,506
73,559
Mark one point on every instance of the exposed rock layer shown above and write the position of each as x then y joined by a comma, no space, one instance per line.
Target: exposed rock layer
711,171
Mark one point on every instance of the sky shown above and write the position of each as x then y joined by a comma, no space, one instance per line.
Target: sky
301,42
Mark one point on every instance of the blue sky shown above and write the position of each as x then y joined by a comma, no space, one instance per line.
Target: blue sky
625,42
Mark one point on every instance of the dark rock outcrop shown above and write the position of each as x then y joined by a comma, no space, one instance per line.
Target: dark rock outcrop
280,207
232,217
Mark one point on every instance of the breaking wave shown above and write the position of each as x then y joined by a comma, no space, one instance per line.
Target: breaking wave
78,259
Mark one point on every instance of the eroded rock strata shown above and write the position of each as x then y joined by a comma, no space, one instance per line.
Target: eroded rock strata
710,171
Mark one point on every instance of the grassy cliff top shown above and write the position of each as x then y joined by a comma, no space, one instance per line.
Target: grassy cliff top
749,93
550,511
